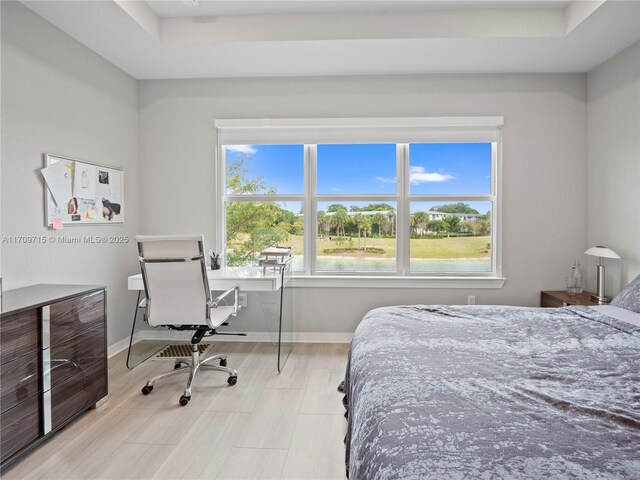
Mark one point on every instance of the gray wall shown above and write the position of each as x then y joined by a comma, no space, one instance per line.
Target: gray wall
544,194
614,165
60,97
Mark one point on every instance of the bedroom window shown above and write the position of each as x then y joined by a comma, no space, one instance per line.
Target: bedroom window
369,199
356,208
450,205
264,198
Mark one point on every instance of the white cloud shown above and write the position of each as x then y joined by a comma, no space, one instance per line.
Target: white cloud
385,180
241,149
418,175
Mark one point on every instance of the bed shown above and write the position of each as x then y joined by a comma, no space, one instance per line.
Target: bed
494,392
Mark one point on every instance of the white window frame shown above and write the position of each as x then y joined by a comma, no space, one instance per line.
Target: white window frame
399,131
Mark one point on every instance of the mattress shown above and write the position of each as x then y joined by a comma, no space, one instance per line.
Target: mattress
493,392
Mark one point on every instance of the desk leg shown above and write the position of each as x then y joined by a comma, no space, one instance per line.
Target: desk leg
285,319
133,329
280,364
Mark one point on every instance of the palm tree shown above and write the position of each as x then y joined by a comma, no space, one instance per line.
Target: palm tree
419,222
381,220
391,215
365,226
339,221
324,222
359,220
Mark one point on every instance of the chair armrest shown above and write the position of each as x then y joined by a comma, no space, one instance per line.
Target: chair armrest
235,290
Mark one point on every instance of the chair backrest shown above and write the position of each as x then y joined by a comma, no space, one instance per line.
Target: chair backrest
174,273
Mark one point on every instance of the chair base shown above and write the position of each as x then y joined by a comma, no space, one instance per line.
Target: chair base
193,367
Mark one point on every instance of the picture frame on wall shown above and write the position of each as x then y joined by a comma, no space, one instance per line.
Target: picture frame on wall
79,192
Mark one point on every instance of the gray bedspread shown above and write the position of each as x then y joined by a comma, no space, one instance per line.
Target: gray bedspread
493,393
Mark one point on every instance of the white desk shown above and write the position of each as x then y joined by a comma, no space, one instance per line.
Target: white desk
250,279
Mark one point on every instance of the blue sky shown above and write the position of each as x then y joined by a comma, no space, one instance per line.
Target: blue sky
443,168
436,168
281,166
345,169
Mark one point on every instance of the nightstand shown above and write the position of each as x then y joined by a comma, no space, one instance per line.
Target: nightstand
562,299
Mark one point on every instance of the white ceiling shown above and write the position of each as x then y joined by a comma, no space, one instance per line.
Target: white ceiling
203,8
169,39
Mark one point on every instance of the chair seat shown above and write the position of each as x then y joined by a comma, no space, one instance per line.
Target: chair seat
220,315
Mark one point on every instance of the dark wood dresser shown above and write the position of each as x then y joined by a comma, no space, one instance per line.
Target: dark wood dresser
53,361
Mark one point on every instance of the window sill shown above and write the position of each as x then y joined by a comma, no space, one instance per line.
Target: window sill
343,281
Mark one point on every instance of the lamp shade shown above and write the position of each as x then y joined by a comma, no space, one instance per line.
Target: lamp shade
601,251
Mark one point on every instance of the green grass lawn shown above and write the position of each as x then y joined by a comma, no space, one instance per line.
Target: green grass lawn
454,247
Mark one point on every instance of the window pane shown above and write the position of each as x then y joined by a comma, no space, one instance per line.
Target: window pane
254,226
450,237
264,169
356,169
445,168
356,237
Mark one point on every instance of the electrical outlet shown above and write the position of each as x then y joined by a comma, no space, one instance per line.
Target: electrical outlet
471,299
243,300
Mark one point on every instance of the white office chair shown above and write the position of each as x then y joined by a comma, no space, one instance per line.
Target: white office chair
177,291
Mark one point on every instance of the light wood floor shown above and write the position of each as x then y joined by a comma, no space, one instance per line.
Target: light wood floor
267,426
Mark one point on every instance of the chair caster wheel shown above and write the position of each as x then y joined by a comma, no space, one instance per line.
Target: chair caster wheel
184,400
232,380
147,389
223,362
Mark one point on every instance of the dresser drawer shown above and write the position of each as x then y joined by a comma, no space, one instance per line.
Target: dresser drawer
19,335
77,393
72,317
20,426
77,354
19,380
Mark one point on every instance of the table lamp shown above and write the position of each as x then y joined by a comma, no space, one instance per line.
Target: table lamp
602,253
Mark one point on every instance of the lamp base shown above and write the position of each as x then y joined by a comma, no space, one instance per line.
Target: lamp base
600,300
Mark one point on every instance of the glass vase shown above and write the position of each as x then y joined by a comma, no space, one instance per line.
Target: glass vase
574,279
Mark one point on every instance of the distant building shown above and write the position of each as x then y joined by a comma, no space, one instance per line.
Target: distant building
462,228
368,213
464,217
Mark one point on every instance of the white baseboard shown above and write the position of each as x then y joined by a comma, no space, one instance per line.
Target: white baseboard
117,347
168,335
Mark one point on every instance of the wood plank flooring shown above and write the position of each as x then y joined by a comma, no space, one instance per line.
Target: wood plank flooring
267,426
